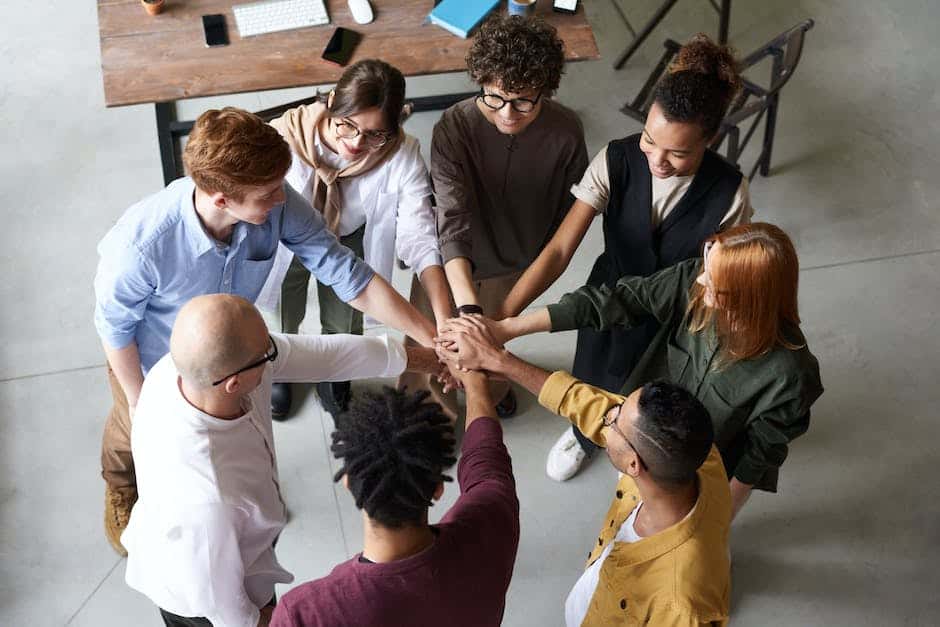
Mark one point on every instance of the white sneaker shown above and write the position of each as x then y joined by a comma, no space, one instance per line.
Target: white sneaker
565,458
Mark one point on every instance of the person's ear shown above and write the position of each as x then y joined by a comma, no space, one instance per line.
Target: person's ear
438,492
406,110
219,201
232,385
329,99
634,467
346,481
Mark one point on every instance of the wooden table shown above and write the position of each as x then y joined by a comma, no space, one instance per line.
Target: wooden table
163,59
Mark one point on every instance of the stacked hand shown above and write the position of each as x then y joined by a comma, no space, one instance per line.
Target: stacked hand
471,343
447,378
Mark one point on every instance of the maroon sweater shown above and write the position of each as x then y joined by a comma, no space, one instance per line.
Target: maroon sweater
460,580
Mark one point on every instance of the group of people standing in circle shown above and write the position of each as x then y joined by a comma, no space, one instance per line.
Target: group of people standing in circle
690,368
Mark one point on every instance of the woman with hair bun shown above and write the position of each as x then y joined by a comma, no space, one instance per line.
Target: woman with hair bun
662,192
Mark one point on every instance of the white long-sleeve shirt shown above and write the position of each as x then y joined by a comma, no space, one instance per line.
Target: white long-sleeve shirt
200,538
393,200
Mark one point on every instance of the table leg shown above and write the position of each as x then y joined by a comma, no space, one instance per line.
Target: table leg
166,117
623,17
643,34
724,21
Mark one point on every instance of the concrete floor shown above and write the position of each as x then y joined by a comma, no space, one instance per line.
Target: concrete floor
852,537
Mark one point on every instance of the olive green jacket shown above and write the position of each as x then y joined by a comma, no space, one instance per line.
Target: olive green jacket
757,405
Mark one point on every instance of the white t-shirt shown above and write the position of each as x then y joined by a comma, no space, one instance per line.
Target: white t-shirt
579,599
200,537
594,189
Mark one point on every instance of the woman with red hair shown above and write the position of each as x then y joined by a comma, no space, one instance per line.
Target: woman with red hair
729,333
661,193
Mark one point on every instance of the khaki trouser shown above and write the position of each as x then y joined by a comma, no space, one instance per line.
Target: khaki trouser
117,465
492,293
336,316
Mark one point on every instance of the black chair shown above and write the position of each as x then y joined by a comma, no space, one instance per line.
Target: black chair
753,105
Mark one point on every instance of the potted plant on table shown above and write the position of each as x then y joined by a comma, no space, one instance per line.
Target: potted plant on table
153,6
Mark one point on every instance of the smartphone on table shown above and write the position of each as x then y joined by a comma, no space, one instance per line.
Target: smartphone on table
565,6
340,48
214,28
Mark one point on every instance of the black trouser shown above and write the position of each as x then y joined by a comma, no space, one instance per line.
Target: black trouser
172,620
588,446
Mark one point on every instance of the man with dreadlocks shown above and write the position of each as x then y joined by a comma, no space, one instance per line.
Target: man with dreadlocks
200,540
395,448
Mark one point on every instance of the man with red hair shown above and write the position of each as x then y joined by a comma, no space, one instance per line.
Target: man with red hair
213,232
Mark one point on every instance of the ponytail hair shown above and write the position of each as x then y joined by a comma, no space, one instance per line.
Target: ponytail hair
700,84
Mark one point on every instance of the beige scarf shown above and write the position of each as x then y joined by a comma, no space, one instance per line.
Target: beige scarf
299,127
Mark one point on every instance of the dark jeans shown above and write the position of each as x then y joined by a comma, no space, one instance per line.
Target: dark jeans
172,620
588,446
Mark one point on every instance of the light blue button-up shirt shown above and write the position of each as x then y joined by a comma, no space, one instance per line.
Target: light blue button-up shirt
158,256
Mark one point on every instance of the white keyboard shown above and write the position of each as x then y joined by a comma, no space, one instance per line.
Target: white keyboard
269,16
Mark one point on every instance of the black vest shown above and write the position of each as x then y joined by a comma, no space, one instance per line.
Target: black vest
633,248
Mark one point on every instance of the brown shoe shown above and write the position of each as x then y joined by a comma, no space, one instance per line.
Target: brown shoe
117,512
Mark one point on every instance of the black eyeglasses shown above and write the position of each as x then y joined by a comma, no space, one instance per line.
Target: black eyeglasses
374,139
521,105
611,423
270,357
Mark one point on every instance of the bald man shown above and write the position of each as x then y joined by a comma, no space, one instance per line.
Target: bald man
200,540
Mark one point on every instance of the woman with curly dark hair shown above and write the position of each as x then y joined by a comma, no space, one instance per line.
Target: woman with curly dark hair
502,164
662,192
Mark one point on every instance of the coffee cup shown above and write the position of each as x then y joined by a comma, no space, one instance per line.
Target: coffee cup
524,8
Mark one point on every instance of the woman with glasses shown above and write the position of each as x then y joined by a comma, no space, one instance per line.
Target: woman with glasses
503,163
661,193
728,332
356,165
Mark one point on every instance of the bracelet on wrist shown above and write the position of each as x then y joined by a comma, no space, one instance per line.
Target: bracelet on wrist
469,309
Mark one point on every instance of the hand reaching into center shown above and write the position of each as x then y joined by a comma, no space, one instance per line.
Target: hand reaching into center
471,342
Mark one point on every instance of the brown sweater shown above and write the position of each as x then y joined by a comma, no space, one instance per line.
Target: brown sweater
501,197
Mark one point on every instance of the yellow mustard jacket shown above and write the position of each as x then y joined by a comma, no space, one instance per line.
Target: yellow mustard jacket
679,576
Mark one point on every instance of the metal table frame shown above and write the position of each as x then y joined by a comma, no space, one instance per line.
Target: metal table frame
724,21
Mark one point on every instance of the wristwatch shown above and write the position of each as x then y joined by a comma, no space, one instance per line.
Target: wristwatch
469,309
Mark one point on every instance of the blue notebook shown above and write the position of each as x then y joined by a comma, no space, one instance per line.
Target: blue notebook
461,16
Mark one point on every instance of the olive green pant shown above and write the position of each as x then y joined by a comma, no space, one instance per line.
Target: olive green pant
336,316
